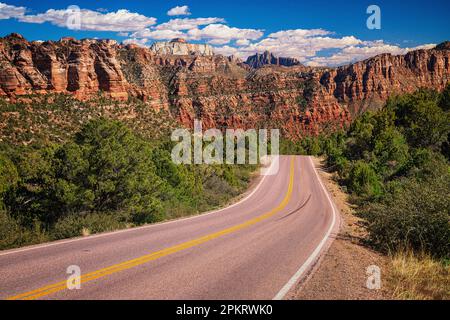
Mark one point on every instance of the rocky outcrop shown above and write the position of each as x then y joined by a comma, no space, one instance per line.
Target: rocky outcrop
222,91
83,68
367,84
180,47
260,60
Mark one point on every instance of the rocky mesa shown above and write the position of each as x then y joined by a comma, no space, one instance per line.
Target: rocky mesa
191,81
267,58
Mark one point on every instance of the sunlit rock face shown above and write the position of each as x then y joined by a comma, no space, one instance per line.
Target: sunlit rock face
193,83
180,47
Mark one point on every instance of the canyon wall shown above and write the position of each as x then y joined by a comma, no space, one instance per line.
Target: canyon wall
222,91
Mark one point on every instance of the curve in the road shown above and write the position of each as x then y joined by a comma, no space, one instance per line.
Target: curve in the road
59,286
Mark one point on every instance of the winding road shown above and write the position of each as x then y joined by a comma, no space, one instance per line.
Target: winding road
258,248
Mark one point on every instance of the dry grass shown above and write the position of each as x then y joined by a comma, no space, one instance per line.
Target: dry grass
419,277
85,232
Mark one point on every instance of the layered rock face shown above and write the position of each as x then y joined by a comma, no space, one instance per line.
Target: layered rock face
222,91
267,58
80,67
180,47
369,83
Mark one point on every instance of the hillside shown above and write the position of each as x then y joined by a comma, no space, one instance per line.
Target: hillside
217,89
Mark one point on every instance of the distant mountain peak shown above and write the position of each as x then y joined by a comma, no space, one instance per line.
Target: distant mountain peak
443,46
267,58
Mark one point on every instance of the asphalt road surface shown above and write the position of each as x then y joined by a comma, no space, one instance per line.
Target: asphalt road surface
258,248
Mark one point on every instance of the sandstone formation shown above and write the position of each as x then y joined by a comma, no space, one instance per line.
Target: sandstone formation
222,91
259,60
180,47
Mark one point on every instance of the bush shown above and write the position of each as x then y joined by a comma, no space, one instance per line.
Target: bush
75,224
416,217
12,234
444,101
390,152
363,180
9,231
423,122
8,174
105,169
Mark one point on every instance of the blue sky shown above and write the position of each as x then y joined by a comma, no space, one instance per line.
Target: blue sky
316,32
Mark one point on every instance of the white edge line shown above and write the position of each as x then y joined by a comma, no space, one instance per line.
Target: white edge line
51,244
292,281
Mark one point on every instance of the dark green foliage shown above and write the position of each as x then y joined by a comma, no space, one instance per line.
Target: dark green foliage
423,122
9,230
395,164
104,178
415,216
105,168
444,101
75,224
8,175
390,152
363,180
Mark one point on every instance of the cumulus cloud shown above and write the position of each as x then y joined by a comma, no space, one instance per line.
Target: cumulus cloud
139,42
366,50
121,20
299,33
302,44
314,47
230,51
222,34
242,42
8,11
187,23
158,34
179,11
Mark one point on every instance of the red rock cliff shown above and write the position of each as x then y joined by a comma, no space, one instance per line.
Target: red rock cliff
219,90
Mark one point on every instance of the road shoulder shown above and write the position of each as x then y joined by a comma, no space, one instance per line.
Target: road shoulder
340,273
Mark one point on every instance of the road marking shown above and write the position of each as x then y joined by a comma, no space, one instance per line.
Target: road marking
59,286
55,243
292,281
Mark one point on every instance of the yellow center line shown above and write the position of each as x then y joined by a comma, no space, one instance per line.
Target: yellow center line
62,285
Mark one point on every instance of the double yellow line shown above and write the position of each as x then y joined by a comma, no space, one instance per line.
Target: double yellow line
60,286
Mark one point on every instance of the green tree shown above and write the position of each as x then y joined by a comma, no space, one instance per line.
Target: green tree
360,137
9,176
391,151
423,122
444,100
105,168
363,180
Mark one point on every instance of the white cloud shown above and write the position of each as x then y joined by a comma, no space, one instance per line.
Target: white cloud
242,42
139,42
158,34
222,34
302,44
299,33
423,47
357,53
311,47
8,11
179,11
187,24
229,51
314,47
121,20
